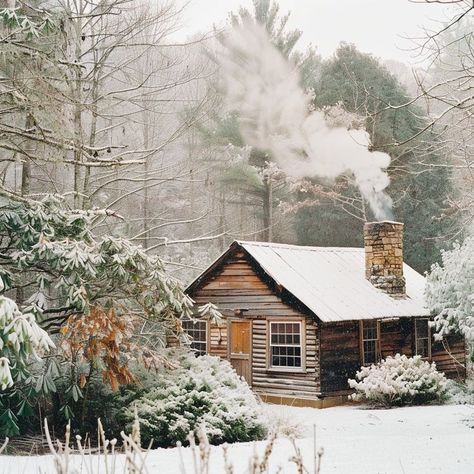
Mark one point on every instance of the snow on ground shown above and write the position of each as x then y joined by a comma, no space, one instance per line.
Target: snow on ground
355,440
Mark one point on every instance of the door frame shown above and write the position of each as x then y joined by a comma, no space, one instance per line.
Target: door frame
229,344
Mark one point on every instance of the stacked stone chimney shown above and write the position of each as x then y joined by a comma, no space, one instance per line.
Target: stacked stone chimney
383,243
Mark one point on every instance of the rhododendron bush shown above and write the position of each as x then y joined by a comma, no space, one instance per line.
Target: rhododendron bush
399,380
203,392
105,298
20,338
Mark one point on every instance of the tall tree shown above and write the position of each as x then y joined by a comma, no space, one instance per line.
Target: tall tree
248,176
419,189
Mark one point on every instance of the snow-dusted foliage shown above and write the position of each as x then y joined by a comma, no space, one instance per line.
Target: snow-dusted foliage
450,291
399,380
112,301
204,392
461,393
20,338
53,249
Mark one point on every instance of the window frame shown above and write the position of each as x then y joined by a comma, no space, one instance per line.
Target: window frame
302,325
362,340
428,338
206,339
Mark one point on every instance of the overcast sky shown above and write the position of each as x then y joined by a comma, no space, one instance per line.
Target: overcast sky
375,26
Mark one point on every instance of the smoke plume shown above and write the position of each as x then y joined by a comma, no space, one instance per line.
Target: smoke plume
275,115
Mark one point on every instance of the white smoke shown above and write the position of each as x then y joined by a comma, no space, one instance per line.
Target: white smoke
275,115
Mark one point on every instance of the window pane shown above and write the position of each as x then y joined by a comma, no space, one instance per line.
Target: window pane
369,352
197,331
369,341
421,328
422,334
285,342
422,347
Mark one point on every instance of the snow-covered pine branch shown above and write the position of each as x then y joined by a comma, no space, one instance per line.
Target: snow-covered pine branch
450,291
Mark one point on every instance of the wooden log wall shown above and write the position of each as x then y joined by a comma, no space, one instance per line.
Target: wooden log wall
239,285
340,357
340,351
450,357
218,341
332,349
285,383
396,337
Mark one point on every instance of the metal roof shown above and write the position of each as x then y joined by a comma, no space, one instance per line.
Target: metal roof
331,282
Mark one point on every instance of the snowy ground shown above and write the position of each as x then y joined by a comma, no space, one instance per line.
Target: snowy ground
355,440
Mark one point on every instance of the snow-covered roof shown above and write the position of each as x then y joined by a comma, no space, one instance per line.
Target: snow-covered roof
331,282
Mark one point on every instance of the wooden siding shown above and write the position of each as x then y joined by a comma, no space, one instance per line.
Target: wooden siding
340,351
340,355
218,341
331,351
452,363
396,337
285,382
240,286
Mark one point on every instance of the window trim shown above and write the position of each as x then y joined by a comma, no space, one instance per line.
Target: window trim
206,341
302,324
378,346
415,334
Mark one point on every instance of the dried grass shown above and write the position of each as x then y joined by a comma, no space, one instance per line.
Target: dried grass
104,458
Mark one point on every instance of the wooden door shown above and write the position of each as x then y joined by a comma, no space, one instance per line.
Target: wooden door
240,347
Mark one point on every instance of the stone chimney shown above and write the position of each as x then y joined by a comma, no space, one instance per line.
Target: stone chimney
383,243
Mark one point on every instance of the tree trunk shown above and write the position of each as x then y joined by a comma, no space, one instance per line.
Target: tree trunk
26,165
267,233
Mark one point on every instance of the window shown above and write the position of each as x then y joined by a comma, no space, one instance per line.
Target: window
197,330
285,344
370,336
422,338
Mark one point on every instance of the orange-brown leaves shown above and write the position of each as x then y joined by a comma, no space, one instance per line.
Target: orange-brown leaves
103,340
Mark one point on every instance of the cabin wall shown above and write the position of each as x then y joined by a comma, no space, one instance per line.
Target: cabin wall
340,351
240,286
339,355
450,357
283,382
396,337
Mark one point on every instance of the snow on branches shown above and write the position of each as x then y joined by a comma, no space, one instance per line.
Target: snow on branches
450,291
20,338
399,380
46,246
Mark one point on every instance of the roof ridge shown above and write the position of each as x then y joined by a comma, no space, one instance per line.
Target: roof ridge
300,247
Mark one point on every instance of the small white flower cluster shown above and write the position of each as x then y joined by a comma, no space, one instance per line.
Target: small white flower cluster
20,337
204,393
399,380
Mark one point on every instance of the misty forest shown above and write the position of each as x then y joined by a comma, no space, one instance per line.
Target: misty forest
225,251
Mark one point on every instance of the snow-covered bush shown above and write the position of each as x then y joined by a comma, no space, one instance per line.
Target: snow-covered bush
398,381
461,393
97,289
450,290
20,338
202,393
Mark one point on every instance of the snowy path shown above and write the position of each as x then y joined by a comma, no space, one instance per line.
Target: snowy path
355,440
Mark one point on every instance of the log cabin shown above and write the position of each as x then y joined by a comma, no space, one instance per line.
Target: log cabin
299,321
